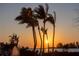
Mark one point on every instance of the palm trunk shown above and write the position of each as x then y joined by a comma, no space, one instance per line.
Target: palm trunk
40,39
48,47
48,43
34,36
53,39
43,36
54,30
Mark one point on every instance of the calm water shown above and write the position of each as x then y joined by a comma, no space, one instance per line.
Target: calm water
61,50
16,51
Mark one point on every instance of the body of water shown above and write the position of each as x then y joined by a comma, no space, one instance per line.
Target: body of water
61,50
16,51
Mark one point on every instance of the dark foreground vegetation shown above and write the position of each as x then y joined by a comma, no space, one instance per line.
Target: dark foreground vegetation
6,50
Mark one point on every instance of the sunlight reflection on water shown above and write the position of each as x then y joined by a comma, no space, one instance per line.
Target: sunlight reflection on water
15,51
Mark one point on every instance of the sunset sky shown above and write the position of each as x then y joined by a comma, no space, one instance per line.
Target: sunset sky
65,24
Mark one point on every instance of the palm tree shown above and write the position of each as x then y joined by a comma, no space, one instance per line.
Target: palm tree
14,39
39,34
45,32
54,29
27,17
52,20
40,39
42,14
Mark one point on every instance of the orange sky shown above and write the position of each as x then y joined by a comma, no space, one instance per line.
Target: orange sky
65,31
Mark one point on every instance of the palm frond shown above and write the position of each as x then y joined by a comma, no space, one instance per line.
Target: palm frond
37,10
22,22
18,18
40,11
23,11
54,16
41,8
27,17
50,19
34,22
28,25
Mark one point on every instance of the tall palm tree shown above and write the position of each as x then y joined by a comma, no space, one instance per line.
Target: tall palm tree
42,14
39,33
52,20
54,29
45,32
27,17
40,39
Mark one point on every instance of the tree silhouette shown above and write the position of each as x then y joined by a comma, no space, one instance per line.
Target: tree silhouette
4,49
52,20
1,48
65,47
40,39
77,44
41,13
59,45
72,45
45,32
14,39
27,17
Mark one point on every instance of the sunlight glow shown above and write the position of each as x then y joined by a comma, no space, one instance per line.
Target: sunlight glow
47,41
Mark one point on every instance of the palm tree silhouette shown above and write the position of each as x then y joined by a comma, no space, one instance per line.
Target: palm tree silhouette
27,17
14,40
52,20
42,14
40,39
45,32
